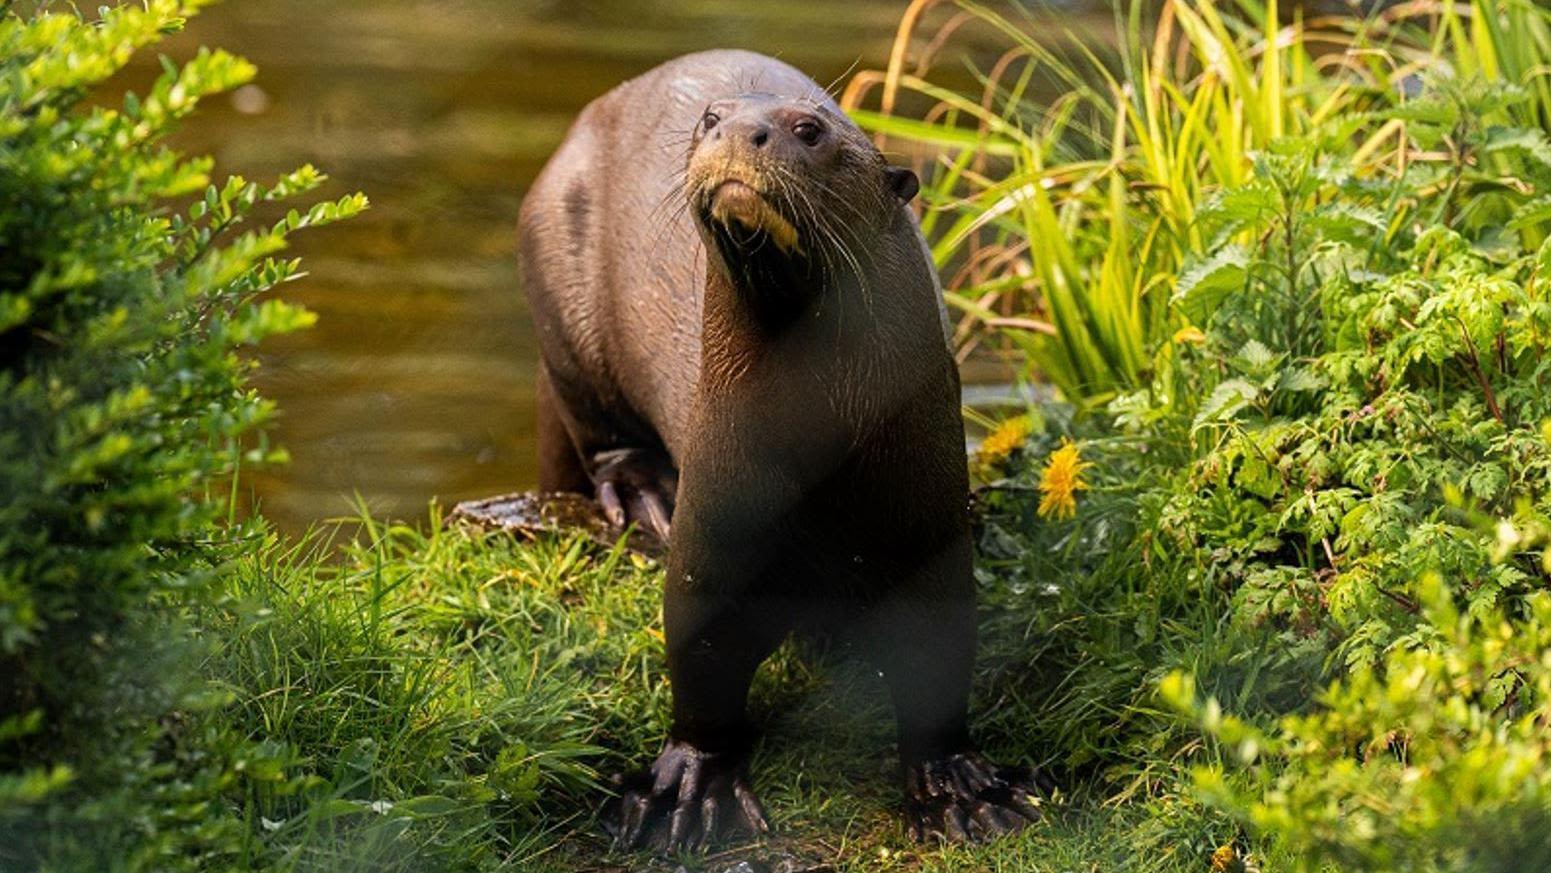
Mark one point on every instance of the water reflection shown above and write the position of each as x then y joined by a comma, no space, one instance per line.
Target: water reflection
417,381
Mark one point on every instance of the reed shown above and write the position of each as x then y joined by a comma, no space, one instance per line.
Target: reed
1062,198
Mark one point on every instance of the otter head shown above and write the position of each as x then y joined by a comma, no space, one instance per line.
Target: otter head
788,194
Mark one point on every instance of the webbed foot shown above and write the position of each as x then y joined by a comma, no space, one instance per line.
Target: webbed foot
963,797
690,800
634,485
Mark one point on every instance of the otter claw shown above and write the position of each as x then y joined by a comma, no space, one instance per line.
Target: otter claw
963,798
608,498
689,800
657,514
636,485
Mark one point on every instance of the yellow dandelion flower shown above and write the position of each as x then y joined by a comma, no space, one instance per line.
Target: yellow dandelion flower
1060,482
1189,334
1009,435
1226,860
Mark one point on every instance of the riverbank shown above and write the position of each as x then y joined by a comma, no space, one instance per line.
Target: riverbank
442,698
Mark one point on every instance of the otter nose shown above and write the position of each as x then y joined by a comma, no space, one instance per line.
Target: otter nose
756,130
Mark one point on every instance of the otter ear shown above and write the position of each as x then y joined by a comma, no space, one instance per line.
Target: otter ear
903,183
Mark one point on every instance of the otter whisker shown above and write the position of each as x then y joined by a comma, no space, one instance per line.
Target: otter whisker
796,200
826,229
672,221
843,202
830,89
846,251
805,213
673,196
841,250
677,180
674,192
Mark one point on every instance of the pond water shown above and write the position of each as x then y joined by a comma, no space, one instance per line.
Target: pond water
417,381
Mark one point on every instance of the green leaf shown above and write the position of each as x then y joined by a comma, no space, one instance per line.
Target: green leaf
1203,285
1225,401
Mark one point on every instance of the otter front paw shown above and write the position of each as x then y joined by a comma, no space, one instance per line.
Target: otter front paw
689,800
964,797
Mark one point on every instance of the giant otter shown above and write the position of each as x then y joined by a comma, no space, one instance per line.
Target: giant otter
744,350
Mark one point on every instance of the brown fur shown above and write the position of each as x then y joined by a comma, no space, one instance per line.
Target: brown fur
742,330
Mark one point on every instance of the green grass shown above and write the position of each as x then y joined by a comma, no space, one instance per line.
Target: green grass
446,699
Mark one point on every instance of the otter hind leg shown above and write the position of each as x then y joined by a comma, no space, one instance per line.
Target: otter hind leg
636,485
560,466
631,484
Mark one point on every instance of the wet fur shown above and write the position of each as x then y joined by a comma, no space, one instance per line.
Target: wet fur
799,392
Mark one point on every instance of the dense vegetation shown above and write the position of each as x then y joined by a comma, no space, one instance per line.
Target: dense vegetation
1263,586
1291,278
122,408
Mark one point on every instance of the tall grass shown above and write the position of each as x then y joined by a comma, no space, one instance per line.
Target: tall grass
1063,198
432,699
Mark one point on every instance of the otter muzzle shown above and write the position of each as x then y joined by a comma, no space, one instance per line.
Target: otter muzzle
735,202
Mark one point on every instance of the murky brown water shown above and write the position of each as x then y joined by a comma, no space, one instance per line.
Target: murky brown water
417,381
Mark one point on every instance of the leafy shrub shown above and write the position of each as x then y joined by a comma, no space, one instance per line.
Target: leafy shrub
1318,501
1379,470
1437,760
122,405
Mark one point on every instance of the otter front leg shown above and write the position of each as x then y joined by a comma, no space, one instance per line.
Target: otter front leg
926,652
697,792
964,797
689,799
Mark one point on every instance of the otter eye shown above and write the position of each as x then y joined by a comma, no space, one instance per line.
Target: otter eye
807,131
709,120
